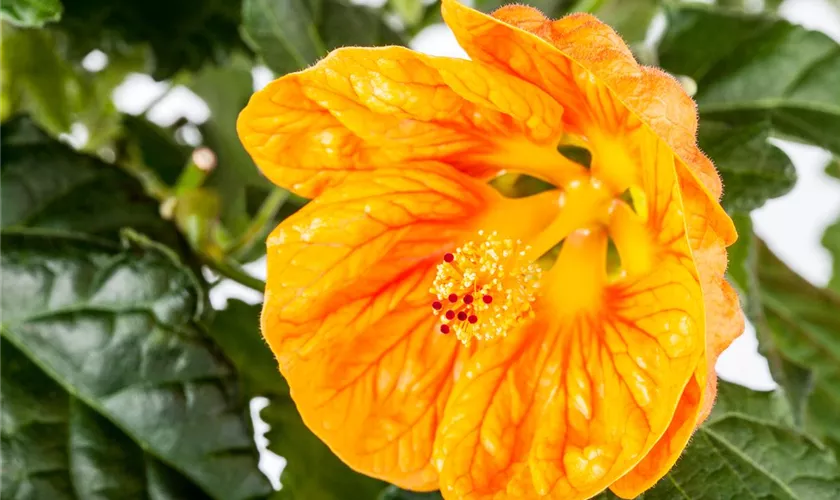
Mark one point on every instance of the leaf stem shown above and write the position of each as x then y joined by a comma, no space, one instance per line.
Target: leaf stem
232,271
259,226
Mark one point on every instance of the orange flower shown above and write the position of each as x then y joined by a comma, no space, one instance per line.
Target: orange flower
424,338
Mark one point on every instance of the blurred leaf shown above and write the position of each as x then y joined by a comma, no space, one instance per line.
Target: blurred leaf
833,167
226,91
312,470
410,11
743,271
757,68
55,447
182,34
157,148
799,331
47,185
753,170
31,13
115,327
40,78
58,92
292,34
831,241
750,5
394,493
630,18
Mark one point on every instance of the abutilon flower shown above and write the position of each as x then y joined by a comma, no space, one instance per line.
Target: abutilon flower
427,331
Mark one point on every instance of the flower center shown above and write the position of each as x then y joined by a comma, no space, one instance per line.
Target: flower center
485,288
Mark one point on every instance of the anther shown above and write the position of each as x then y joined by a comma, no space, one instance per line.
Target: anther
437,306
468,299
487,299
462,315
453,298
444,329
473,319
450,314
448,257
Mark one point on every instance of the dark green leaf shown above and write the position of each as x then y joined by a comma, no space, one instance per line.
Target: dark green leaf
312,470
31,13
747,450
182,34
799,331
115,327
49,186
292,34
752,68
753,170
743,271
156,148
55,447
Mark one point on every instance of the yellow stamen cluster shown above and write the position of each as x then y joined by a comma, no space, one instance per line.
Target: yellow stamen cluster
485,288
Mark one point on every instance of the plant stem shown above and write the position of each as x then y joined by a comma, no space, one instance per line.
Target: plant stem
232,271
258,227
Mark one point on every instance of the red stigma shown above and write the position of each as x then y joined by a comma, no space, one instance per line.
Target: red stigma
473,318
487,299
453,298
462,315
448,257
437,306
450,314
468,299
444,329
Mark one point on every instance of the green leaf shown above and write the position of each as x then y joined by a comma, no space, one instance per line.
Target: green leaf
743,271
798,330
410,11
31,13
312,470
751,68
753,170
831,242
49,186
833,167
630,18
53,446
182,34
747,450
292,34
116,328
41,79
740,456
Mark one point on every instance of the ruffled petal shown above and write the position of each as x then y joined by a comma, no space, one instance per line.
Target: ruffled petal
586,67
724,323
570,404
366,108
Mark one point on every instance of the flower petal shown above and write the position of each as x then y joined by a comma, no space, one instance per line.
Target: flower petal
567,406
586,67
724,323
361,109
348,310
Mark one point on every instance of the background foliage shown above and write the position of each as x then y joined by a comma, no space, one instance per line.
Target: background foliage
119,380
